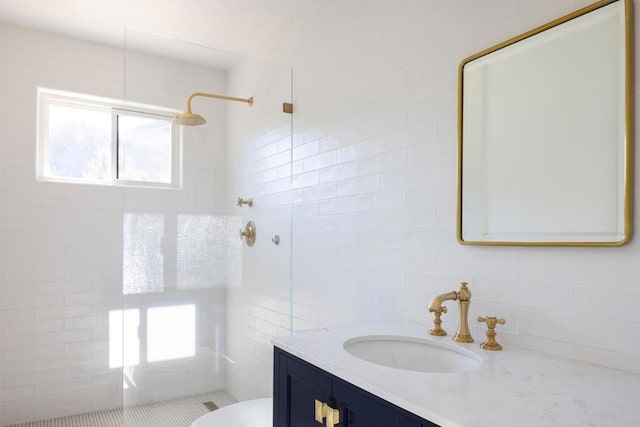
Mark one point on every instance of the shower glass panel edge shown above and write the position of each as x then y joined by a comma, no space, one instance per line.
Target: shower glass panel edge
259,158
199,306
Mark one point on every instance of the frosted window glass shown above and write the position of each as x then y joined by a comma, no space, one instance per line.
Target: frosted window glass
79,143
143,260
207,246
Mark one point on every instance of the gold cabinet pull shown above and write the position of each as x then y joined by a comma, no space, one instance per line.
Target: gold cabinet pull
333,417
325,412
319,411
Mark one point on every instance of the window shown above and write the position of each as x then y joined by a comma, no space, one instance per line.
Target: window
84,139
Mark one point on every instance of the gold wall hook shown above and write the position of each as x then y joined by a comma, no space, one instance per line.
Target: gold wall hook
249,233
248,202
491,343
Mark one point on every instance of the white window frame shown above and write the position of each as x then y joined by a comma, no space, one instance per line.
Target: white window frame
116,108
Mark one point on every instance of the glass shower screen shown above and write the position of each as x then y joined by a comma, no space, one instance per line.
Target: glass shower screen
200,306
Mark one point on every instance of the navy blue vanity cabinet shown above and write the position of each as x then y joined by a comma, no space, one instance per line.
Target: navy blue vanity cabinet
296,387
298,384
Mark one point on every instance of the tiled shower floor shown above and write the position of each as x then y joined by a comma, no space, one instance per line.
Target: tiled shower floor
171,413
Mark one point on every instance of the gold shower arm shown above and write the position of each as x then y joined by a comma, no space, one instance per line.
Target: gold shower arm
213,95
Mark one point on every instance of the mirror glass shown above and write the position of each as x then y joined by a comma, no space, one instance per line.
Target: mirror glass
545,134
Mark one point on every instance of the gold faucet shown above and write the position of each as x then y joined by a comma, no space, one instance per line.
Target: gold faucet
491,343
463,296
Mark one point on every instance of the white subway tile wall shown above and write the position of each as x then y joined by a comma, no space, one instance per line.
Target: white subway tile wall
364,177
61,245
373,189
260,166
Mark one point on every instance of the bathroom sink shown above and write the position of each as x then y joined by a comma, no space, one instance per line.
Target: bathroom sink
412,354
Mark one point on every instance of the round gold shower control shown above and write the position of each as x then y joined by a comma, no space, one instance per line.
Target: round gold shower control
249,234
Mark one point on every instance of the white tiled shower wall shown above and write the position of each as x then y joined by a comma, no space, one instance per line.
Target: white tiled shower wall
374,183
61,245
259,161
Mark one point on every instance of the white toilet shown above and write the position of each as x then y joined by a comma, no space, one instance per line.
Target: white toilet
250,413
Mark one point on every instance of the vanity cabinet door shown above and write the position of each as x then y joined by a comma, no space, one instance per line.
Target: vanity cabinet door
297,385
359,408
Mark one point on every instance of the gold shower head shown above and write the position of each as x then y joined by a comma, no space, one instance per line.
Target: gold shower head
191,119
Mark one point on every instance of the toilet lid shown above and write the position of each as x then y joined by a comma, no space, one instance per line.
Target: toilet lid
251,413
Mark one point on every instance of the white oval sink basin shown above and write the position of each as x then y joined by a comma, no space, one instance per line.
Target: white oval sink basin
412,354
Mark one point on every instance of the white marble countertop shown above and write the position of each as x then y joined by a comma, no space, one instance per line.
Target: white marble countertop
512,387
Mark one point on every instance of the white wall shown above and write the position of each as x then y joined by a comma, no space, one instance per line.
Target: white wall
374,184
61,245
259,160
370,185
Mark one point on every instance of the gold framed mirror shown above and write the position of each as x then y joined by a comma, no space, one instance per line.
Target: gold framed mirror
545,146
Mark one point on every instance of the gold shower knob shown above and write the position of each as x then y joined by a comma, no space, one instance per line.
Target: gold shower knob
248,202
249,233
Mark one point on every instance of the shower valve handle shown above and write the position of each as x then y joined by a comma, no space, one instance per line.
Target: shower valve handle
248,202
249,233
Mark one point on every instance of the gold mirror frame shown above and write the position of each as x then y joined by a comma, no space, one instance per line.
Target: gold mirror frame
628,129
